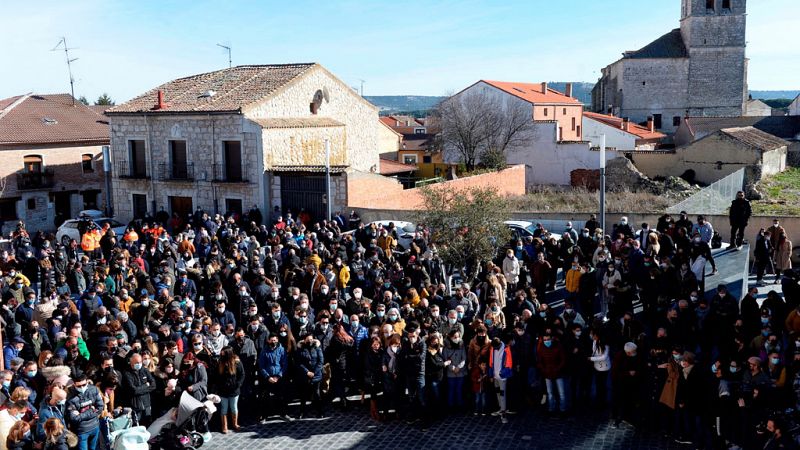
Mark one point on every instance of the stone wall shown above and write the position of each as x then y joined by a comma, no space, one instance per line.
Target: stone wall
343,105
204,136
373,191
304,146
69,178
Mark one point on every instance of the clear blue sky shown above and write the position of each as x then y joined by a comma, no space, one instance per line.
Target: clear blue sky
398,47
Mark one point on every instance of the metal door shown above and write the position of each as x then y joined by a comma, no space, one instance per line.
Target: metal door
303,191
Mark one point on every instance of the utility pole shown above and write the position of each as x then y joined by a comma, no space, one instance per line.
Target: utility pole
228,48
603,184
63,42
328,199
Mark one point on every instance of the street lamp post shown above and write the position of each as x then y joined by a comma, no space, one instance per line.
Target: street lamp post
603,184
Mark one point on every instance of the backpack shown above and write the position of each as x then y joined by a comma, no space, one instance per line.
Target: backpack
716,240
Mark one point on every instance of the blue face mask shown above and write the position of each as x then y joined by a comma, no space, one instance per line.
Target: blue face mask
765,333
30,373
460,315
775,361
713,368
137,366
6,384
548,344
734,369
488,323
765,320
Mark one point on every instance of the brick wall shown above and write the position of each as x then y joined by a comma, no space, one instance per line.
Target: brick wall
375,191
584,178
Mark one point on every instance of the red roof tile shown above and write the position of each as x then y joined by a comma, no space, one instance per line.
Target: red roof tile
47,119
389,167
532,92
633,128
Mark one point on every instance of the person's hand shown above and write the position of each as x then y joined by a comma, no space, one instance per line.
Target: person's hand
447,363
741,403
310,374
190,389
273,380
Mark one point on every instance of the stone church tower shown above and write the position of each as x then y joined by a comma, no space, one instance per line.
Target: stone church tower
714,34
699,69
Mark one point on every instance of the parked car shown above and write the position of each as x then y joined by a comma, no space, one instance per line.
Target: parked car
405,232
69,229
521,229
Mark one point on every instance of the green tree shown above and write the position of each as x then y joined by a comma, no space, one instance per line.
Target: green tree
467,225
83,100
104,100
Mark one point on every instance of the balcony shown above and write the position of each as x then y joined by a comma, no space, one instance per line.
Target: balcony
124,170
223,174
177,172
27,181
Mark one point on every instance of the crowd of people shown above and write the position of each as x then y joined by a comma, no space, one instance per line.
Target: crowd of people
335,314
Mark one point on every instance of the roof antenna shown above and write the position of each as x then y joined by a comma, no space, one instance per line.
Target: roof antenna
228,48
63,42
362,86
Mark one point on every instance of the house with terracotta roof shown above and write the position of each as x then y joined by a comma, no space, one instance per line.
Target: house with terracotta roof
52,159
553,146
405,124
242,136
620,133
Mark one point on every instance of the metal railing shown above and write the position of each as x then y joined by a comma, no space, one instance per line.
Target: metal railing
428,181
177,172
714,199
224,175
124,170
35,180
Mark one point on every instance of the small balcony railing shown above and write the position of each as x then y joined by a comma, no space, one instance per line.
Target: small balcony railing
35,180
177,172
123,169
224,175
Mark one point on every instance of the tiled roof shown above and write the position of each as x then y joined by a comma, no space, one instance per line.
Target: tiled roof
49,119
232,88
755,138
669,45
532,92
389,167
313,169
100,109
300,122
633,128
416,141
784,127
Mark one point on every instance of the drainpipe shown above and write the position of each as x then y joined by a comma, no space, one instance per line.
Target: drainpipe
152,170
107,175
213,163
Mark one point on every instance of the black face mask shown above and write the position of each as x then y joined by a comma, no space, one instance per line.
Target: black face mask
481,339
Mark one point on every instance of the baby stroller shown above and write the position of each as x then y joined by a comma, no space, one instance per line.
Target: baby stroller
177,429
123,431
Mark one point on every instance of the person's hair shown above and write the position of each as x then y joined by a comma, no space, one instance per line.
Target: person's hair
53,429
394,339
43,357
20,394
17,432
227,361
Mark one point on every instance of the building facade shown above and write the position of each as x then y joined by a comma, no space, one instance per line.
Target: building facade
249,135
51,149
620,134
699,69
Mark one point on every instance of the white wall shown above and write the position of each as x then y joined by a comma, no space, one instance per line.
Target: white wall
615,138
794,107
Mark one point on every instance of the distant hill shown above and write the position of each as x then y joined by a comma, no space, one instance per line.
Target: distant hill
769,95
392,104
418,105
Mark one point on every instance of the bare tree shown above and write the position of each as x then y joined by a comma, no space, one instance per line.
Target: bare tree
478,126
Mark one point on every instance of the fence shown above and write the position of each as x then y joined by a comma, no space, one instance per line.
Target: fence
713,199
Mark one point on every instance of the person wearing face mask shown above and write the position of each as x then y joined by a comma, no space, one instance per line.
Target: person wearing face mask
13,430
393,318
84,407
478,348
455,361
222,315
138,383
53,406
276,319
551,362
272,369
627,374
611,280
689,401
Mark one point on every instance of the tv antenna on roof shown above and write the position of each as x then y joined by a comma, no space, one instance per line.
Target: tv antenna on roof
63,42
362,86
228,48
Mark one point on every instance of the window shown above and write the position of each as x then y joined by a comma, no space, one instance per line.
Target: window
33,163
233,160
87,163
726,4
578,130
233,205
139,202
545,112
565,111
409,159
138,159
177,153
573,124
657,121
31,203
710,5
8,209
644,83
426,159
419,130
676,121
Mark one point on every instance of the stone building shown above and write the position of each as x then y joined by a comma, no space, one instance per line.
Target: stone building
794,107
757,108
248,135
718,155
699,69
51,160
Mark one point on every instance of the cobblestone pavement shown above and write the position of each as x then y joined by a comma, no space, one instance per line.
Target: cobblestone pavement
356,430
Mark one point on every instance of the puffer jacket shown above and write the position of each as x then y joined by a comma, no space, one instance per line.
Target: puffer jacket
84,409
458,359
309,359
138,386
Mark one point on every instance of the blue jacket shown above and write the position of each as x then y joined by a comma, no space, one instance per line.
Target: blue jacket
9,352
309,359
84,410
47,411
272,362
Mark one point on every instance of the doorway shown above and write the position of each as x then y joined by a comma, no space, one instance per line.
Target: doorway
182,206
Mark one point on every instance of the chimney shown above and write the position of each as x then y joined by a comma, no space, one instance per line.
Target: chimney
160,104
625,123
544,87
651,124
568,90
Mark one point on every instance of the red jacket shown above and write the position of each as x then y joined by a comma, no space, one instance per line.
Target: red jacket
551,361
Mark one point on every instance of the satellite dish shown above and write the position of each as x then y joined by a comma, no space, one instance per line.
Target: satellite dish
326,95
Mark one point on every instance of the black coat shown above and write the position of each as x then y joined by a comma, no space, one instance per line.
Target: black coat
230,385
138,385
740,212
373,367
309,359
